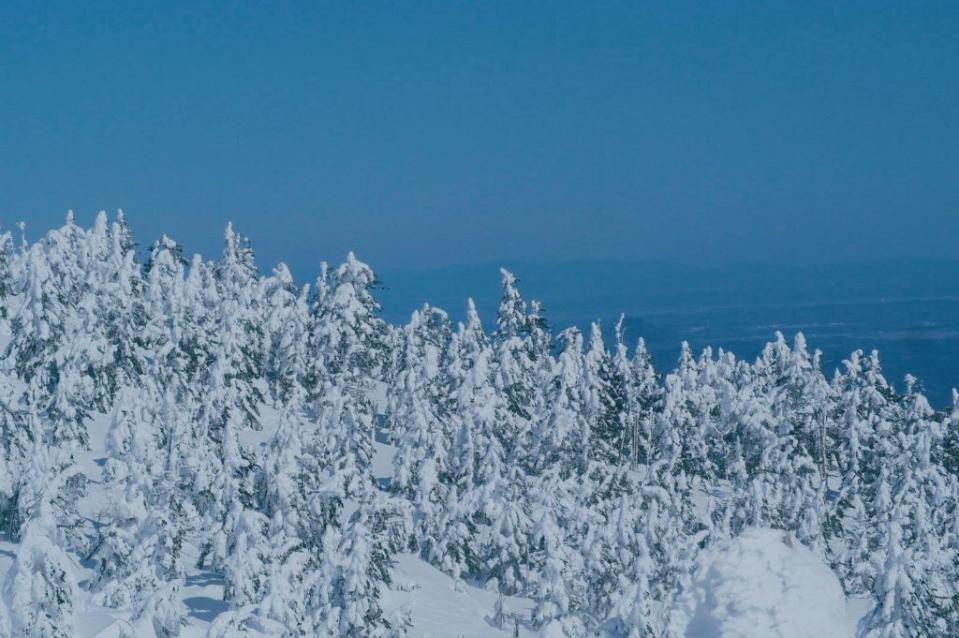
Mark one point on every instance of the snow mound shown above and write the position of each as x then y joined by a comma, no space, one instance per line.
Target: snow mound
441,607
763,584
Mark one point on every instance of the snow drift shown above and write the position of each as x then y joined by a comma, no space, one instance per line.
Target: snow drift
763,584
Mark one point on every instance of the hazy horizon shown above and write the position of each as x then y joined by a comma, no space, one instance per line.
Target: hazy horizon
435,133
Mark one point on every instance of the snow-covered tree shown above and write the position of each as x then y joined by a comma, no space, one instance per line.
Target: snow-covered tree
139,554
559,587
41,586
287,325
606,386
642,396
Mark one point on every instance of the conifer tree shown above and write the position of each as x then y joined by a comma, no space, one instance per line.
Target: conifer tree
40,586
642,395
609,438
7,255
286,329
517,375
421,410
559,586
139,554
564,439
164,332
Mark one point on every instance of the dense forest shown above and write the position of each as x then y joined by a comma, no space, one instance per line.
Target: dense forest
568,469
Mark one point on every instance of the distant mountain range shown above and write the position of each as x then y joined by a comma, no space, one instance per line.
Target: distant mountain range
908,310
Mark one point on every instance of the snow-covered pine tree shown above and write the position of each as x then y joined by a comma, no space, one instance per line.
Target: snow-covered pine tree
865,411
41,586
348,354
19,434
506,538
7,256
518,371
648,550
606,386
342,586
643,395
48,348
120,310
199,327
165,316
562,440
47,480
479,408
238,360
799,397
139,553
422,405
270,548
286,330
559,584
681,435
947,455
347,336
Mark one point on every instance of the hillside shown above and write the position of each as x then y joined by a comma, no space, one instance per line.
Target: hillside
191,448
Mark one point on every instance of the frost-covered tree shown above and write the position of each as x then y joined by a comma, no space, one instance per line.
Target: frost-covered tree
517,370
119,313
48,347
139,555
866,413
287,325
238,359
348,352
44,480
606,387
165,308
41,586
421,408
348,339
479,409
7,267
563,439
343,588
559,587
682,430
506,540
798,396
642,396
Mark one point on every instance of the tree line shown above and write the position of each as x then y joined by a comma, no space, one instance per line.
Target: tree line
562,467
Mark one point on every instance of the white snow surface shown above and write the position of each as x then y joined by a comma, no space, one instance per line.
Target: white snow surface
763,584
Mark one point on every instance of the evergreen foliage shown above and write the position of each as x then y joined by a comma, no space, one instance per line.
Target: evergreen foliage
246,415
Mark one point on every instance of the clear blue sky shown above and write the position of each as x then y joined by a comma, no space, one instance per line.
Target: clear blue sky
452,132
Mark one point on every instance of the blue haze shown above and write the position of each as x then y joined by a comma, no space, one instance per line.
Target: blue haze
438,133
451,137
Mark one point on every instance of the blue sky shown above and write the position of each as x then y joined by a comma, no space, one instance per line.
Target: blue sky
424,134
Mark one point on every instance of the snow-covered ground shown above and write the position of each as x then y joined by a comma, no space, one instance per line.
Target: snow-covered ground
764,583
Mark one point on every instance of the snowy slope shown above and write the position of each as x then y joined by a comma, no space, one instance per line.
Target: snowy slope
438,606
760,584
763,583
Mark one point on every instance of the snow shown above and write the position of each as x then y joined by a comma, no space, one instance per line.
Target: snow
441,607
506,470
763,583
